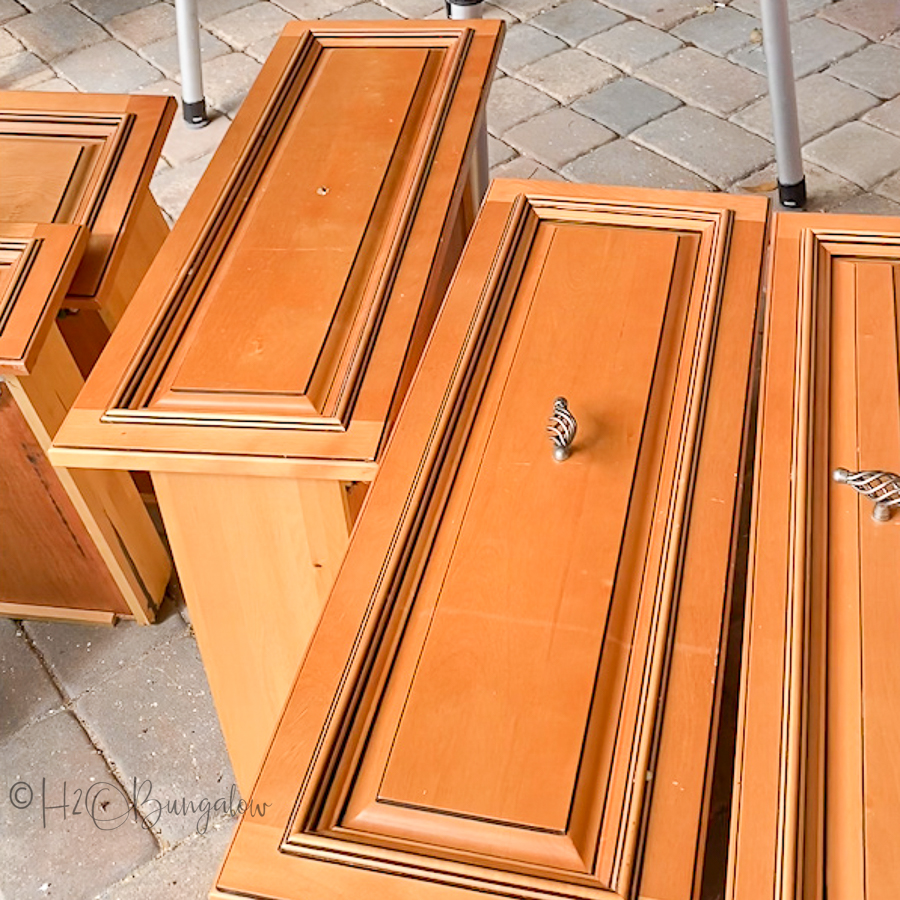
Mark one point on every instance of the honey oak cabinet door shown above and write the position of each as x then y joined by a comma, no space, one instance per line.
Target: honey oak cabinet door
514,684
817,795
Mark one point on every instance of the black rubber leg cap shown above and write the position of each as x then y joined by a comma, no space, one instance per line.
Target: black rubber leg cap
793,196
195,113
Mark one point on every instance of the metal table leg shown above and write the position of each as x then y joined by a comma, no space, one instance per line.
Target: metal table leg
783,96
193,104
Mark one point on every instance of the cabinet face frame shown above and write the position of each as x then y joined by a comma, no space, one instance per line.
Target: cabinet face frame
815,799
297,846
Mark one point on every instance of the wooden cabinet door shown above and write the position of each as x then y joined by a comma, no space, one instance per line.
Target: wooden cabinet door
279,327
82,159
513,687
817,796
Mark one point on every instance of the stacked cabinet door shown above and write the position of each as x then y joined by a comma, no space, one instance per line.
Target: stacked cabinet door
817,791
87,159
513,690
261,366
73,545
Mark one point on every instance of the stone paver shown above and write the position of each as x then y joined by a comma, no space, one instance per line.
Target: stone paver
886,116
56,31
824,189
54,84
184,874
875,69
869,205
874,18
626,104
568,74
227,78
207,10
718,32
498,152
512,102
716,150
890,187
28,691
252,23
8,44
823,103
185,143
814,44
523,9
109,66
144,26
654,12
155,722
703,80
163,55
523,167
260,50
83,657
623,162
20,71
307,10
631,45
859,152
103,10
67,856
364,11
797,9
576,20
173,187
10,10
416,9
557,136
525,44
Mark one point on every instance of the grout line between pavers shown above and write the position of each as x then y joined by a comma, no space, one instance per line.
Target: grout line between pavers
134,874
69,706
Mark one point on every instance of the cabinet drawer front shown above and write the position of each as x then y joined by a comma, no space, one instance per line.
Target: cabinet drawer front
818,728
498,645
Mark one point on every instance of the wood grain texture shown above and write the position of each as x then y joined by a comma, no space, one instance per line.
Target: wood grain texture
816,784
269,340
256,557
488,693
80,539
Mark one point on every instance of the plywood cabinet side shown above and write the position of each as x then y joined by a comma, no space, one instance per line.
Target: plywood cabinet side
815,795
106,554
255,557
502,665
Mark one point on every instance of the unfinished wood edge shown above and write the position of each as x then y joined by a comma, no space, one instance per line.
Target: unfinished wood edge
107,502
146,232
35,611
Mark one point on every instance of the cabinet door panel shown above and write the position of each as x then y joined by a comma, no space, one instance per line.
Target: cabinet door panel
818,724
481,707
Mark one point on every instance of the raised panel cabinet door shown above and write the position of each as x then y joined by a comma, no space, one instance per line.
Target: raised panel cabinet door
816,809
261,366
513,688
87,159
77,546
